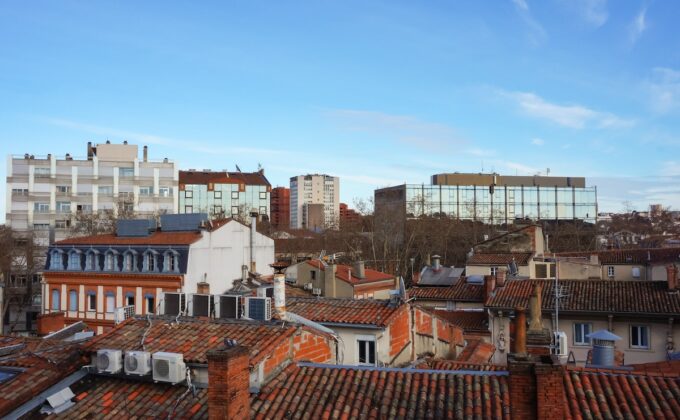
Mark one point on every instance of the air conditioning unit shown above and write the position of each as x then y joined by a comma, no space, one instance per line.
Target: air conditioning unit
265,291
200,305
561,343
259,308
308,286
124,312
168,367
173,303
316,291
137,362
228,306
109,361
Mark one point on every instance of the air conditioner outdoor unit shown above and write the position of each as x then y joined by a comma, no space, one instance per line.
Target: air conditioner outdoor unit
109,361
228,306
200,305
259,308
316,291
561,343
173,303
308,286
168,367
137,362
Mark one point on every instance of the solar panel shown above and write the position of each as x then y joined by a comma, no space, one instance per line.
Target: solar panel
229,307
258,308
182,222
132,227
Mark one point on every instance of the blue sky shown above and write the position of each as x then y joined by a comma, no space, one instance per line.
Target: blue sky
377,93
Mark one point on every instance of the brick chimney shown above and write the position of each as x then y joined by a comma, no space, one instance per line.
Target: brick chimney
522,384
549,388
203,288
501,274
49,323
672,277
520,331
489,286
228,383
536,387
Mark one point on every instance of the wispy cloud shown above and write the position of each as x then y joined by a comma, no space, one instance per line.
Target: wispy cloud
193,145
538,142
664,89
536,33
593,12
638,25
573,116
403,128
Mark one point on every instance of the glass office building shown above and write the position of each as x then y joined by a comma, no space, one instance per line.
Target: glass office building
493,204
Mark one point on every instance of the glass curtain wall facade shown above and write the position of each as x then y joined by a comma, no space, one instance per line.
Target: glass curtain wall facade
501,204
225,200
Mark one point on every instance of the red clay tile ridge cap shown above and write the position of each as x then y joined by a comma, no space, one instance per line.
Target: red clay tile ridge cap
406,370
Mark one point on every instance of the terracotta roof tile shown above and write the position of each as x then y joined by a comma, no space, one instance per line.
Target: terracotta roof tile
194,337
156,238
351,392
640,297
476,351
461,291
521,258
345,311
469,321
630,256
441,364
343,273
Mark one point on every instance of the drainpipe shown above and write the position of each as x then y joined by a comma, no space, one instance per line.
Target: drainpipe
253,231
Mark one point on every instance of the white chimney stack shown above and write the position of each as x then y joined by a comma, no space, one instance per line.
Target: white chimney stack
280,295
253,232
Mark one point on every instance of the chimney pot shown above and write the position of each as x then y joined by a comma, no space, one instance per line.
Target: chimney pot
520,331
489,286
360,269
436,262
501,274
672,277
145,153
280,295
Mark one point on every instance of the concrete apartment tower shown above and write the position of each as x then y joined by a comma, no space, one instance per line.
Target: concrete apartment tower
314,202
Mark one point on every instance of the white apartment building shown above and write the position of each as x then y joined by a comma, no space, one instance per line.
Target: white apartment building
44,193
314,202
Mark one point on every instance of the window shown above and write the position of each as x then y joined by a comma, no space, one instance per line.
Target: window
146,191
312,274
188,194
72,300
19,191
263,210
56,260
610,271
74,260
150,263
581,331
636,272
217,209
188,209
170,261
263,195
91,261
63,189
367,351
126,172
150,303
56,300
639,336
494,271
41,226
129,299
218,195
234,195
105,190
541,271
234,210
164,192
41,207
110,302
63,206
111,261
42,172
129,261
62,224
91,301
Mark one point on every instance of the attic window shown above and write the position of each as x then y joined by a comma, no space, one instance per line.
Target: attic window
7,375
171,261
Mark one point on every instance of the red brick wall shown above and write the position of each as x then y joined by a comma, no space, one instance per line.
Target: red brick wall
522,390
423,322
312,347
444,330
48,323
399,331
281,354
549,392
229,382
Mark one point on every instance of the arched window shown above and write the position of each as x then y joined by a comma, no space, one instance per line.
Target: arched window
92,260
130,260
72,300
171,261
56,299
111,260
74,260
57,259
150,260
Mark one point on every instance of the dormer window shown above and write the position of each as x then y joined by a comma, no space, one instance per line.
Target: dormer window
111,260
92,260
74,262
150,260
130,260
171,261
57,259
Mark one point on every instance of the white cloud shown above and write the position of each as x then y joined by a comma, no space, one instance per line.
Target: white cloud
403,128
538,142
521,4
594,12
664,89
536,33
573,116
638,25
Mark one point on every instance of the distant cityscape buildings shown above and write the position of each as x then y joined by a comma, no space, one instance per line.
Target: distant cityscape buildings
280,208
492,198
314,202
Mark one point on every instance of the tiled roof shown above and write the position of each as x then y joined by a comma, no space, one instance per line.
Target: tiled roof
476,351
41,364
343,273
352,392
440,364
344,311
194,337
521,258
461,291
609,296
612,394
631,256
469,321
221,177
445,276
107,397
155,238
